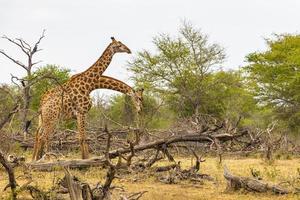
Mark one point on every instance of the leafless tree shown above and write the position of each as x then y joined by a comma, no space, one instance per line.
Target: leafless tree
24,84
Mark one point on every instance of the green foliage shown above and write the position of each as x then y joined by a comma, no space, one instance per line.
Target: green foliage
183,73
121,110
275,77
96,115
228,97
260,117
153,115
181,68
7,95
53,76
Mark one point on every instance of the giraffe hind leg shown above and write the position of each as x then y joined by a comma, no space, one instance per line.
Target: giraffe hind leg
39,146
41,141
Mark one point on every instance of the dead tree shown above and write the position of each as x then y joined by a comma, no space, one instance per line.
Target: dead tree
24,83
11,175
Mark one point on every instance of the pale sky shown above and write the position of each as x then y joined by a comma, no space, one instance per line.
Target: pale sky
78,31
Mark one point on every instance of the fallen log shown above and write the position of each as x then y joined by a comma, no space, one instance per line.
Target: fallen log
251,184
207,136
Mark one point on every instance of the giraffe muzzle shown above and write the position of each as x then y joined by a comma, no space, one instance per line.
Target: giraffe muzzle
128,51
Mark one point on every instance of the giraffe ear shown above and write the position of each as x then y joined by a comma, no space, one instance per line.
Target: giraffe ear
113,39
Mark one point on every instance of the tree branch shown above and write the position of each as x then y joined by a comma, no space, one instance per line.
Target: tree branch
13,60
11,175
35,49
22,47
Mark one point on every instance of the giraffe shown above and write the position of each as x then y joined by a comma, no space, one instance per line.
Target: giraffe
71,100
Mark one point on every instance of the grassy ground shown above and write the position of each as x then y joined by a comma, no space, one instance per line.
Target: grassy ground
280,170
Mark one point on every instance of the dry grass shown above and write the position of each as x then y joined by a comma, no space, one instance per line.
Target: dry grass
279,171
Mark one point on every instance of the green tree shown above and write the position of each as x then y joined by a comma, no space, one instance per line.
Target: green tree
97,116
180,69
48,76
228,97
121,110
153,115
275,77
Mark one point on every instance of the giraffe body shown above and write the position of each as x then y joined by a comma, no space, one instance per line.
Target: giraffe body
72,100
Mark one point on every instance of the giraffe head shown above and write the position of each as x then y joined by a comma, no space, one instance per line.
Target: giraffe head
137,97
118,47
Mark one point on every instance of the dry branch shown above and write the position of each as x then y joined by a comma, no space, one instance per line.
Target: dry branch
82,191
11,175
204,137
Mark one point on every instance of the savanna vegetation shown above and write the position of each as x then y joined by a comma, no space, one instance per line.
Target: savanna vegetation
198,118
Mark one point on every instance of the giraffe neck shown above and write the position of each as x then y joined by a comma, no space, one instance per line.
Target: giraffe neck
102,63
105,82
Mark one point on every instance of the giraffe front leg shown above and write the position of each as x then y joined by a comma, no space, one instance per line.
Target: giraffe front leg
82,136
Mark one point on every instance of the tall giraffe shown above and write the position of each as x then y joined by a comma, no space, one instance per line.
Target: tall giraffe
72,99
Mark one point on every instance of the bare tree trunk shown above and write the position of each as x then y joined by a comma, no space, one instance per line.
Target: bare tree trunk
11,175
27,82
